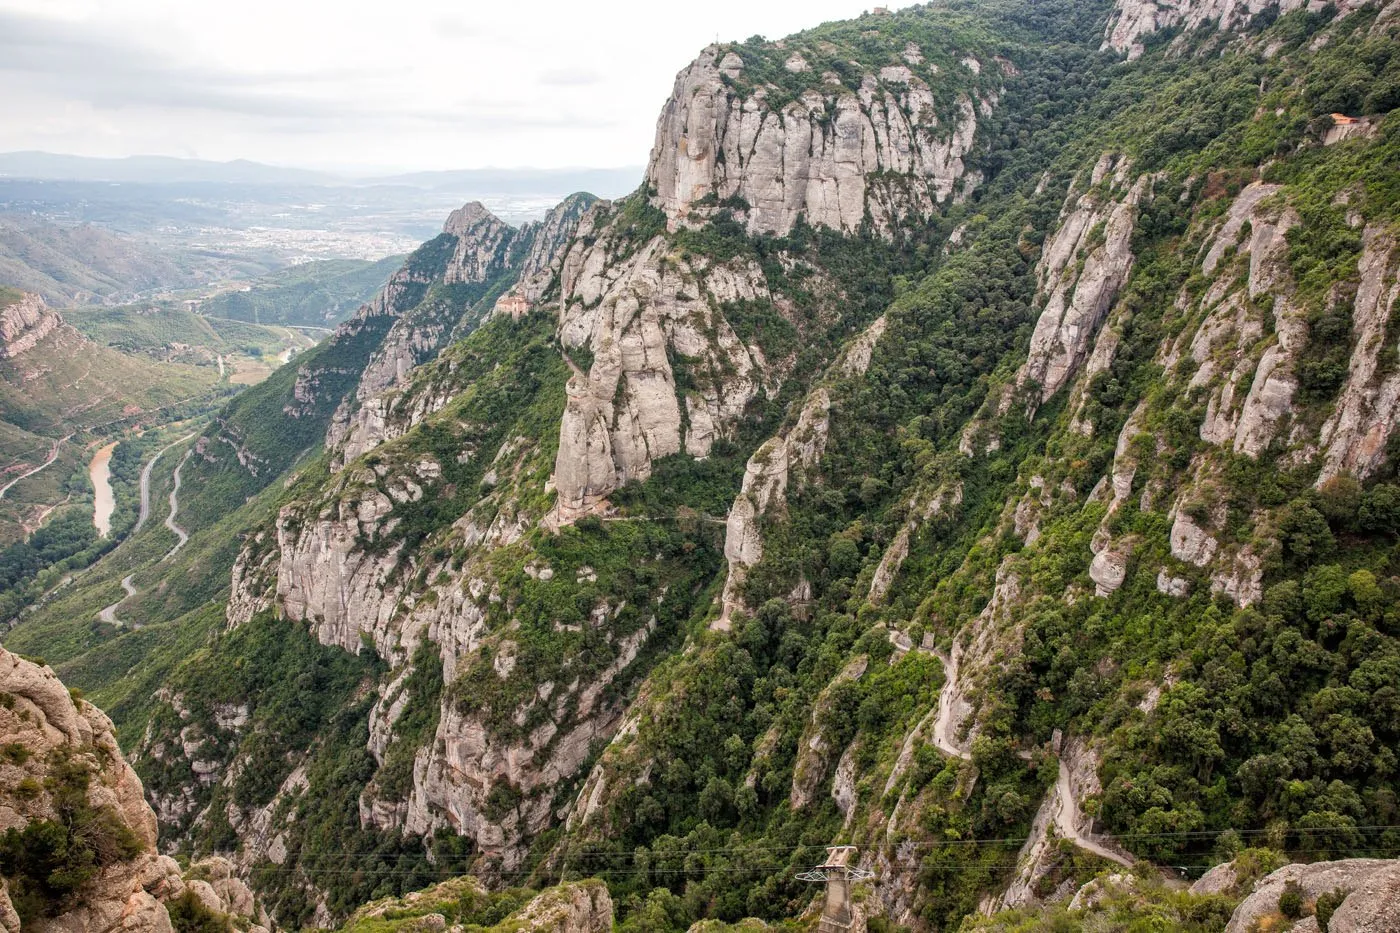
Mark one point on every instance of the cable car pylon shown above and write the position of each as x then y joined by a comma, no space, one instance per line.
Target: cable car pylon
838,871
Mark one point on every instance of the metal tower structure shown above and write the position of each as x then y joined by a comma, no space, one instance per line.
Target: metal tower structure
838,871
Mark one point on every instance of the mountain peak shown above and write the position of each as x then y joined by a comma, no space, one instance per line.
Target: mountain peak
467,216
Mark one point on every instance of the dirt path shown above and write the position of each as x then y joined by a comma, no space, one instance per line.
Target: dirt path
31,527
949,699
1067,820
53,455
175,510
1066,815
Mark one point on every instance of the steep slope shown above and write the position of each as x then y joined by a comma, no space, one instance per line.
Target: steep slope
57,390
1112,570
321,293
1007,489
430,541
78,849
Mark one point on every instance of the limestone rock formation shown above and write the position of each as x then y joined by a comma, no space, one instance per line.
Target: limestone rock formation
1353,440
62,756
548,241
1371,905
814,156
584,907
574,907
482,250
1080,272
24,323
635,316
1132,21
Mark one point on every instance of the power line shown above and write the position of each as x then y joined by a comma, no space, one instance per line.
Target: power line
608,855
699,871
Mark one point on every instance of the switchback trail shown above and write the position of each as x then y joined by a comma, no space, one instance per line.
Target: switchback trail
1066,807
175,509
53,455
146,483
109,613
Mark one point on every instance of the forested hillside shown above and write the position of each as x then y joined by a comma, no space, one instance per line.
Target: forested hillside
971,442
316,294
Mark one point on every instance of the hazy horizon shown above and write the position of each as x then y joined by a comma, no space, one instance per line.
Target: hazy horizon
537,85
346,173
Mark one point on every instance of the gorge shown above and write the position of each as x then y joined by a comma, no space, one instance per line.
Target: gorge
972,442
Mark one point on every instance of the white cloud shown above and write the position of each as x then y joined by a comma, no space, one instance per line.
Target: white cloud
416,84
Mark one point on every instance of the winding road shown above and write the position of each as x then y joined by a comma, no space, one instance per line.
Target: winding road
109,613
146,483
53,455
175,510
1067,818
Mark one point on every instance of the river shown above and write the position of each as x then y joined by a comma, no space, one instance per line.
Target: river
104,503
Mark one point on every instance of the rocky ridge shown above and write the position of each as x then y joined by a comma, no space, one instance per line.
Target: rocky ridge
835,156
24,323
1130,417
634,317
63,764
1133,21
482,253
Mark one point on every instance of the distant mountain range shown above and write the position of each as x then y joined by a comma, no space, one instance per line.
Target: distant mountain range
164,170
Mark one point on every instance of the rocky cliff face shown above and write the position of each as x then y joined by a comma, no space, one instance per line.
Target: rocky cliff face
548,240
874,147
635,317
67,792
989,545
1132,21
484,254
1080,272
1370,889
24,323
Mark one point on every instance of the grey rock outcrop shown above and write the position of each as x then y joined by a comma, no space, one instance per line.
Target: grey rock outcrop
581,907
574,907
814,156
1082,268
128,893
549,241
1134,20
1222,348
483,249
24,324
1372,903
635,316
455,774
814,751
1353,440
794,452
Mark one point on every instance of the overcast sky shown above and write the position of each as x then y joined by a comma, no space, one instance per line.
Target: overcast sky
347,84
